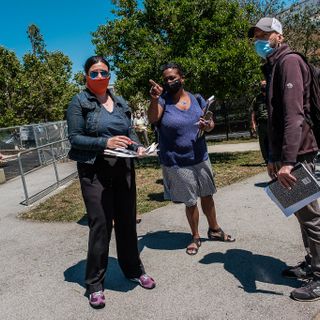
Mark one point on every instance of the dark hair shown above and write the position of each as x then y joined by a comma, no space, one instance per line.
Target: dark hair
93,60
172,65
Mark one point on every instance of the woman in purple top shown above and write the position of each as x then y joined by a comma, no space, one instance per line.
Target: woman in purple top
184,158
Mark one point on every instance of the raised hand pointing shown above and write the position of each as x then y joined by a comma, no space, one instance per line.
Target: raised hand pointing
156,90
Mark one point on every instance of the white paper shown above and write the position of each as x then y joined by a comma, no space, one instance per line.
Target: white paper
125,153
295,207
305,190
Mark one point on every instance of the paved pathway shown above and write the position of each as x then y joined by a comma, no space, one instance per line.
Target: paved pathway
236,147
42,265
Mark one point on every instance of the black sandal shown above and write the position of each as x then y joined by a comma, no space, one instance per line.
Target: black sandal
192,250
219,235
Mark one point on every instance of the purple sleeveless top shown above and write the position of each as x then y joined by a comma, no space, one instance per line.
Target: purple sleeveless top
178,130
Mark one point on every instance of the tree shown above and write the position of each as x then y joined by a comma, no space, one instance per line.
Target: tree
37,42
47,82
11,97
256,9
208,38
79,79
302,30
39,89
138,102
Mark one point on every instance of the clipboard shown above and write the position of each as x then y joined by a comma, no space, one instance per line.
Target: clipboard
305,190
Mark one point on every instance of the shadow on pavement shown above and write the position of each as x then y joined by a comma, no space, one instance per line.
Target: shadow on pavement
29,161
164,240
261,184
115,279
159,181
249,268
83,221
156,197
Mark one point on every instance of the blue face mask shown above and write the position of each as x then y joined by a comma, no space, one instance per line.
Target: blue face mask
263,48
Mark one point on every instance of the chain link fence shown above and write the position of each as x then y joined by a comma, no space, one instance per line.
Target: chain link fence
37,138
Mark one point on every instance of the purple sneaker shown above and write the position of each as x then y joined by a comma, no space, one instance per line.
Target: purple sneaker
145,281
97,300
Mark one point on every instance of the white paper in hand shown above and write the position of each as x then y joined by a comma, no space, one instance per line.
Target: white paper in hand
125,153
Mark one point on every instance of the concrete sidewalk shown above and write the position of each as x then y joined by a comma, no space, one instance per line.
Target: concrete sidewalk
234,147
12,192
42,265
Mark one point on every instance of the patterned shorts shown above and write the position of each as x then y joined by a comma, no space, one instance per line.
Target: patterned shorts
187,184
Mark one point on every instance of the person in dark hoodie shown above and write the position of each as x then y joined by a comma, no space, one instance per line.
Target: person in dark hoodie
291,139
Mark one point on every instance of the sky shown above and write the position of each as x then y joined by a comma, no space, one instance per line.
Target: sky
64,24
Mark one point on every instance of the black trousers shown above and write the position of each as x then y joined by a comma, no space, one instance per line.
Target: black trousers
109,193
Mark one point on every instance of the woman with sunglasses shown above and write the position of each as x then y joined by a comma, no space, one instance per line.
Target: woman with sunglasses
186,167
97,119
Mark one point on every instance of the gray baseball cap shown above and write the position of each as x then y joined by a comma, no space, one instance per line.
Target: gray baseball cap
266,24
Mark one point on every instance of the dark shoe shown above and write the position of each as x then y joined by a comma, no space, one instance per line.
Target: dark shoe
300,271
145,281
97,300
308,292
219,235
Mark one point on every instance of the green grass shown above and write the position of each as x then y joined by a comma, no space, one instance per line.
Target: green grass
68,204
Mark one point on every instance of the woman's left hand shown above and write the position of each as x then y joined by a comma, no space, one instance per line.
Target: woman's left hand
206,125
141,151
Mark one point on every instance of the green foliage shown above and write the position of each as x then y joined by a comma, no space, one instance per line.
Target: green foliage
48,77
138,102
37,90
79,79
302,30
37,42
49,87
256,9
208,38
11,88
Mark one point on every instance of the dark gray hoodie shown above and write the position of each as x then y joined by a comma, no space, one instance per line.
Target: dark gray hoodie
288,94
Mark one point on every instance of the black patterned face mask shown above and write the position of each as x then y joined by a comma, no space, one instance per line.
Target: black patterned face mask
173,87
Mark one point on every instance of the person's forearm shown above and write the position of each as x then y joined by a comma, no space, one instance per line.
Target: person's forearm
253,119
154,111
84,142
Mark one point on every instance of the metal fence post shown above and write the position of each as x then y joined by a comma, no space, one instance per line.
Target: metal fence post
54,164
37,144
24,184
